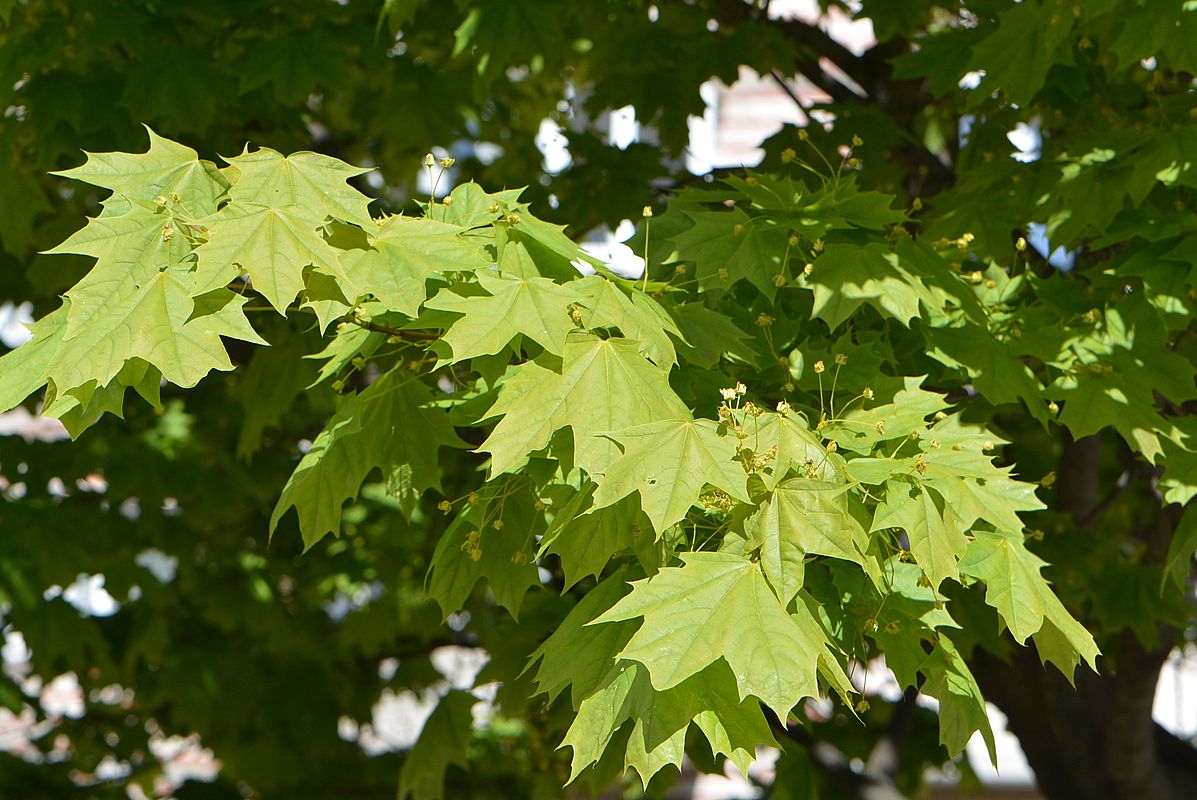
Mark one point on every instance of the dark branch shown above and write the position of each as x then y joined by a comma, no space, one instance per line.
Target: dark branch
414,336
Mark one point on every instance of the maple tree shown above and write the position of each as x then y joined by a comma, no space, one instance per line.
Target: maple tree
848,413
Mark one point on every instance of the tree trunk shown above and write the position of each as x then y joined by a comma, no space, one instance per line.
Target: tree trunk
1097,742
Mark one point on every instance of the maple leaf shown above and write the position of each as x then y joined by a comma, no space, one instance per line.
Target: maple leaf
846,276
158,322
719,606
668,462
443,741
801,517
637,316
384,427
993,366
962,710
579,655
727,246
603,385
311,181
586,538
474,547
709,700
25,368
271,244
132,241
166,168
709,334
936,544
536,308
1023,598
404,253
797,447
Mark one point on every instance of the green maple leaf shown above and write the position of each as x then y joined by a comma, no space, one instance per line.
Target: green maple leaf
474,548
709,699
937,545
536,308
797,448
166,168
604,385
293,66
579,655
1063,641
601,715
749,248
709,334
668,462
1012,579
1019,593
962,710
385,427
993,366
158,322
82,406
272,244
996,498
913,607
1127,360
719,606
586,538
404,253
637,316
443,741
129,243
862,428
555,255
1179,561
23,371
312,181
1148,30
1017,56
803,517
847,276
473,206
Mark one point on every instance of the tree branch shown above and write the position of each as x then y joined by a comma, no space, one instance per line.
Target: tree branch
414,336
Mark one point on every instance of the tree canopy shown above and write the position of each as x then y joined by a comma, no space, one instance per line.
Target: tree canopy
894,399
